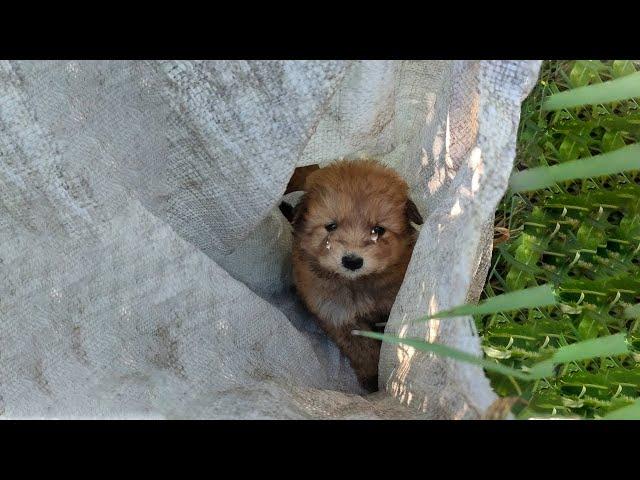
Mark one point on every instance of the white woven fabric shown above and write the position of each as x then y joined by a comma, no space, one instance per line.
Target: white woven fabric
144,263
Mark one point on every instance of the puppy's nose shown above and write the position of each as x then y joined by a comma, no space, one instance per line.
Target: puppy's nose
352,262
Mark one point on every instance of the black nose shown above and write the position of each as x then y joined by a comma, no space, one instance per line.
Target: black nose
352,262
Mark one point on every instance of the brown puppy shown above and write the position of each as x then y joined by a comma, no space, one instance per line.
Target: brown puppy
353,240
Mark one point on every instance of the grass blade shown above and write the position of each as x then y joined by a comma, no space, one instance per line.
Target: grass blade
608,346
597,347
621,88
630,412
623,159
449,352
541,296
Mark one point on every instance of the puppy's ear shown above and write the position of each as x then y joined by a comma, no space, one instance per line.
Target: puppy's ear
299,212
287,211
295,215
412,213
299,177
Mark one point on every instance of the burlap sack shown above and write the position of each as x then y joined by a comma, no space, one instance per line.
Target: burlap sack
144,267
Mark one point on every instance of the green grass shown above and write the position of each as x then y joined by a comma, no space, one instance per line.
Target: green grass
560,313
583,236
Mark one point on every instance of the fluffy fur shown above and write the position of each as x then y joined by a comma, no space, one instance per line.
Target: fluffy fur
358,210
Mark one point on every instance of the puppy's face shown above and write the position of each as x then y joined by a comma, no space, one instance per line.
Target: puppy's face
355,219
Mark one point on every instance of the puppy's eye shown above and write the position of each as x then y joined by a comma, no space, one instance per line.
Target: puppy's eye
331,226
377,230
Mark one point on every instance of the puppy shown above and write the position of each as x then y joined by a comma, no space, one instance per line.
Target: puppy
353,240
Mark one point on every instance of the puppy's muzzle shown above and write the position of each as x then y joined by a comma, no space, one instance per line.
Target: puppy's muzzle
352,262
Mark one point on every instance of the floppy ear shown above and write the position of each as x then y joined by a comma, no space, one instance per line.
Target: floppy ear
287,211
299,177
299,211
412,213
294,215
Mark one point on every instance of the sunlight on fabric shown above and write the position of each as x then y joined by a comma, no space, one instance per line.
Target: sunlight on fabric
434,324
456,209
477,165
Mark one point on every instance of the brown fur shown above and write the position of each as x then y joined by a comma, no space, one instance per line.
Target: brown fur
356,196
298,178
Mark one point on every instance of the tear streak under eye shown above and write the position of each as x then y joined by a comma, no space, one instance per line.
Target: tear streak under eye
327,242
